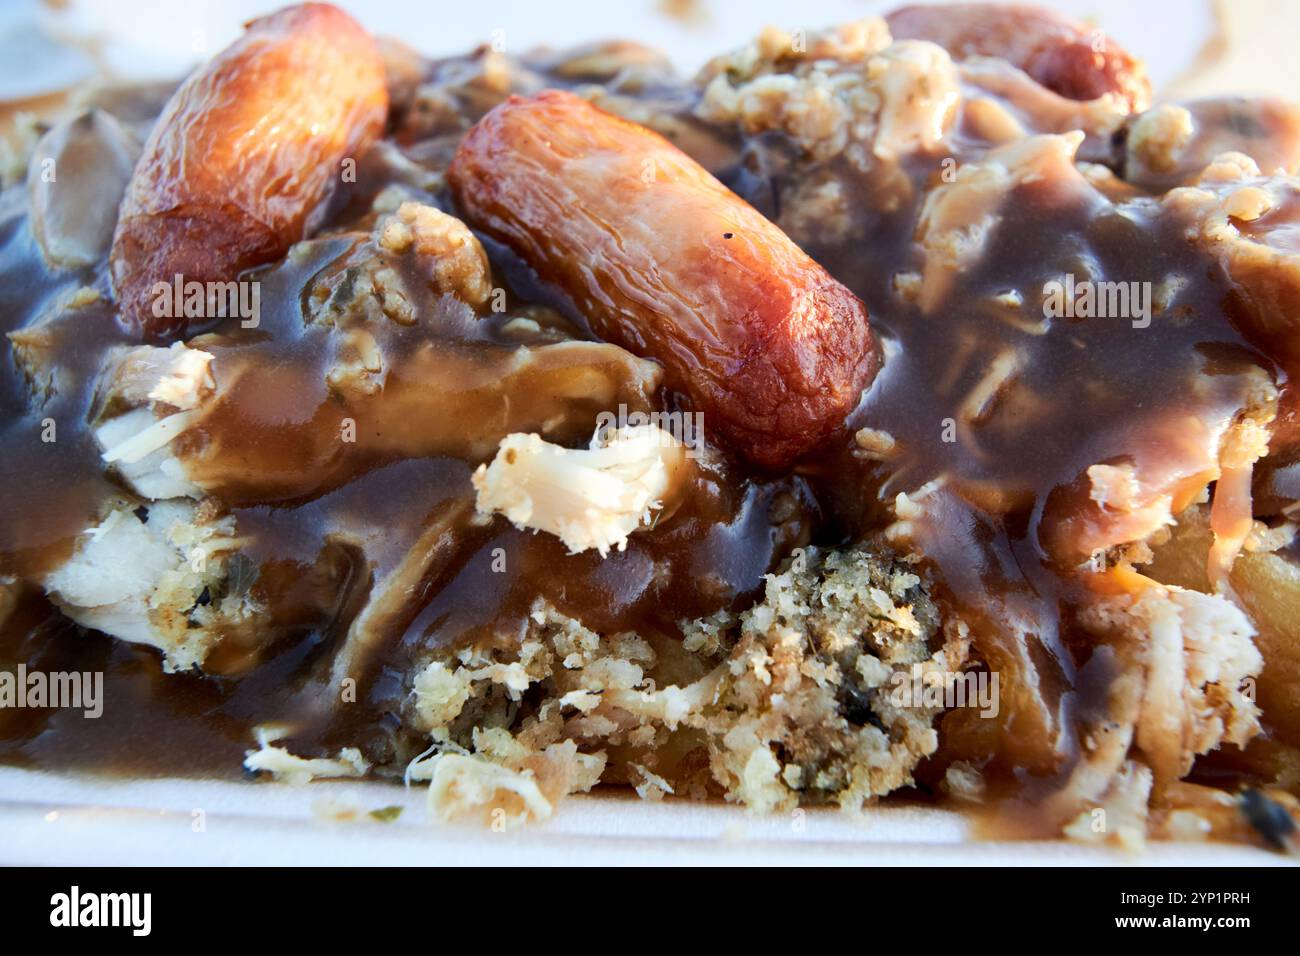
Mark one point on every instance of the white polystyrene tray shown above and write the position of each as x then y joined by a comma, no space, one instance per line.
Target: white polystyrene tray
66,819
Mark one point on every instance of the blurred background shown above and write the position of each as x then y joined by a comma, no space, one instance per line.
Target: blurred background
1192,47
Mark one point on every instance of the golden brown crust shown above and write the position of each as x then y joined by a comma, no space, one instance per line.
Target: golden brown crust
662,259
245,152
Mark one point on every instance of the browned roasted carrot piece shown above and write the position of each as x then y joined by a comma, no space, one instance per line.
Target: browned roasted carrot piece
244,154
662,259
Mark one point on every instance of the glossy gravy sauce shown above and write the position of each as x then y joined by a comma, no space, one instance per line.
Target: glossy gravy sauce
1084,391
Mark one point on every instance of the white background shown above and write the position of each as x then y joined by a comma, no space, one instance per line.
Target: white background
163,38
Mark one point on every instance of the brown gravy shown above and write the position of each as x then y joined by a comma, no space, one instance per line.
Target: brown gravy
1084,391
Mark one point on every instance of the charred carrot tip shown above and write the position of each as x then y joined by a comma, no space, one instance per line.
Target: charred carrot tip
248,147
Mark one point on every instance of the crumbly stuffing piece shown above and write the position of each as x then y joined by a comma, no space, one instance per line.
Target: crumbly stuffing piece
1247,222
854,104
820,209
414,242
851,91
452,255
806,709
1169,145
167,576
1157,139
792,701
775,50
